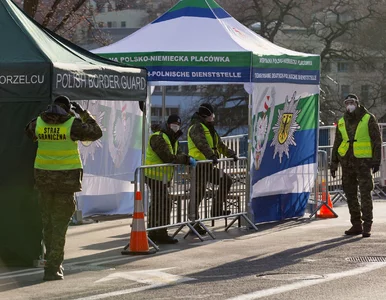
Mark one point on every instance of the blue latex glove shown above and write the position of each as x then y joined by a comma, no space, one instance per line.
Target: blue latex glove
192,162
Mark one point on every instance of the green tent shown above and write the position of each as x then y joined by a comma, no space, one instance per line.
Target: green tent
36,65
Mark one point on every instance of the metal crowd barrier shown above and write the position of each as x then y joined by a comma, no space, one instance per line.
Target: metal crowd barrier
180,195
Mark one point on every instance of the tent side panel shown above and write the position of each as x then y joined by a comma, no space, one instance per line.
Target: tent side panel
21,231
284,149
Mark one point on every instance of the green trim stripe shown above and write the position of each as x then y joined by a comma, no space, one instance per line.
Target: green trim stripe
195,3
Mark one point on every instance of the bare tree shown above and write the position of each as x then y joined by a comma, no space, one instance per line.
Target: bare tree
343,32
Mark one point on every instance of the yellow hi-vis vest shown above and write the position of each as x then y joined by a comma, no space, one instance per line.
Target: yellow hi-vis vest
362,141
159,173
193,150
56,151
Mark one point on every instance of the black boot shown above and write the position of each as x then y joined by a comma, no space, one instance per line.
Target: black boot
161,236
53,273
199,229
366,230
167,239
356,229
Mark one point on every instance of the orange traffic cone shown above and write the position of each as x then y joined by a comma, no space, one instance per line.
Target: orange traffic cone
138,238
324,212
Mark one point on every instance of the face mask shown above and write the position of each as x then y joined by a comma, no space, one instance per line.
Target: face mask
210,118
174,127
350,108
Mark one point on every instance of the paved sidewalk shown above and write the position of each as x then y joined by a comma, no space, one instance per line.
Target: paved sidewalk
109,237
237,262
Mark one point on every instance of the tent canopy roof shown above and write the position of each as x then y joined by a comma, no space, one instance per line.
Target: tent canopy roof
198,42
196,25
38,64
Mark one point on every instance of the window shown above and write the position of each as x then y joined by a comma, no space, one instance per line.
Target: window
343,67
365,90
344,90
172,88
123,24
109,24
189,88
156,111
157,89
367,66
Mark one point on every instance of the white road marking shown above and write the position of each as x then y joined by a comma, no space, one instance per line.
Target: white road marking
156,278
123,292
94,262
33,270
22,274
18,271
305,283
151,277
126,258
8,283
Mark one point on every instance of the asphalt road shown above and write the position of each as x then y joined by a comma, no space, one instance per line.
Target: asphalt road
297,259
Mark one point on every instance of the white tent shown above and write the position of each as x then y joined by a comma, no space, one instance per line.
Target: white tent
198,42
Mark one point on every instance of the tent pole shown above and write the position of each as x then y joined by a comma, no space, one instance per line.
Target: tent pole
163,103
248,204
145,129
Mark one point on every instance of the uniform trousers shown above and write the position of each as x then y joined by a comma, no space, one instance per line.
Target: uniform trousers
56,212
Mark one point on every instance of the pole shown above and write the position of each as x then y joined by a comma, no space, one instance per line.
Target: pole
163,103
145,127
248,204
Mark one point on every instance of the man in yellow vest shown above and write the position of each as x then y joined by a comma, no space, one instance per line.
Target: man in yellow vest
58,172
357,147
162,148
205,144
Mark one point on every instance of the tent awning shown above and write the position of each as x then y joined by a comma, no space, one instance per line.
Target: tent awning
38,65
198,42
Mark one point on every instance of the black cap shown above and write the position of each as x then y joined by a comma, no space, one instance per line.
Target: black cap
352,97
174,119
205,110
63,102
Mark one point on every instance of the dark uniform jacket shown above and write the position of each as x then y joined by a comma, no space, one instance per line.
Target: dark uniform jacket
197,135
349,160
161,148
84,129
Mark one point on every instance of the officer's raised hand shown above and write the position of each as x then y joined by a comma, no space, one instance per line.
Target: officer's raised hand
77,107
